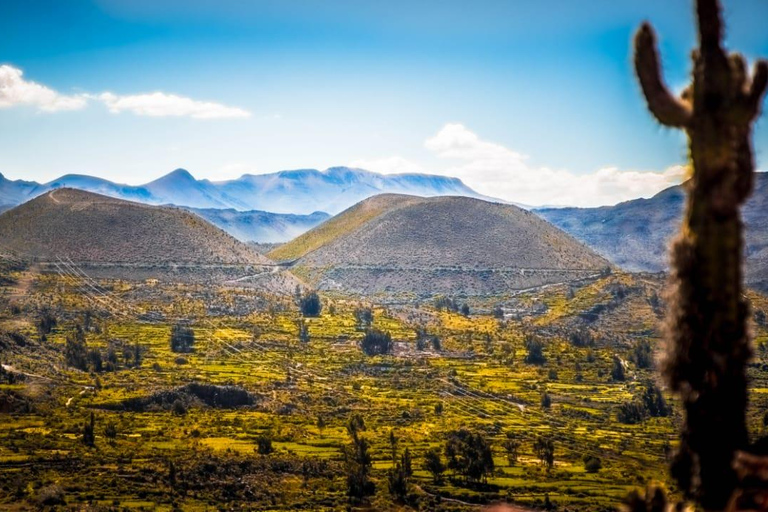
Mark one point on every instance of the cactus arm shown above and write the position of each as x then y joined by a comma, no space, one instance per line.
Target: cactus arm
757,88
667,109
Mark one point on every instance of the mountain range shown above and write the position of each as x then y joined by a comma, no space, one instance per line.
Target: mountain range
299,192
635,234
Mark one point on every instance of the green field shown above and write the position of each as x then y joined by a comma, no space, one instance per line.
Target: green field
479,379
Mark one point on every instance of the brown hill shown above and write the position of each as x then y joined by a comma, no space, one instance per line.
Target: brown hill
87,227
443,245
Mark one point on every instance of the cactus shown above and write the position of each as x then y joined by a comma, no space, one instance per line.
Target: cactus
707,345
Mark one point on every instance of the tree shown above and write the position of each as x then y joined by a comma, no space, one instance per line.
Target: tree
355,425
469,454
498,313
544,447
512,446
182,338
581,338
89,432
393,444
264,445
407,462
617,371
465,309
433,464
303,330
363,318
535,350
707,334
46,321
631,413
76,349
654,402
376,342
397,481
546,401
358,461
110,431
642,354
310,304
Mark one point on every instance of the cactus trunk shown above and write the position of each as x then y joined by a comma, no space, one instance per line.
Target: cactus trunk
707,341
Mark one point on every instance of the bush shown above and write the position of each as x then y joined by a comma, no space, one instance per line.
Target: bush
182,338
310,304
592,464
376,342
546,401
178,408
581,338
50,496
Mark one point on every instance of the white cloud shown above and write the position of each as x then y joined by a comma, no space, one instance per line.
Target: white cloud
391,165
15,90
159,104
497,171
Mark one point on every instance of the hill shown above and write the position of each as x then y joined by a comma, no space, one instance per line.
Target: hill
301,192
635,234
87,227
261,227
395,244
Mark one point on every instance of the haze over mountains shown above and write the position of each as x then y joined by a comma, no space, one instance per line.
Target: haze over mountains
425,246
301,192
635,234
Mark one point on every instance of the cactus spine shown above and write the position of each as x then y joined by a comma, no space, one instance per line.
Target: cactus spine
707,340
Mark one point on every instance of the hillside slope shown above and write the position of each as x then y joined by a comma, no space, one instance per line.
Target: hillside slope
635,234
395,244
86,227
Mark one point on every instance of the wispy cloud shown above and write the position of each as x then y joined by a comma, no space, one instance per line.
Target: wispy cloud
497,171
159,104
16,91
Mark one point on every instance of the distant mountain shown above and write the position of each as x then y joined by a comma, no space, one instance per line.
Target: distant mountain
301,192
635,234
261,227
87,227
397,244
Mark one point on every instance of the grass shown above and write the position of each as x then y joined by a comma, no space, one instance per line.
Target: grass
480,379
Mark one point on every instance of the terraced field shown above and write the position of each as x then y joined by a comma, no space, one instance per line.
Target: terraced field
304,393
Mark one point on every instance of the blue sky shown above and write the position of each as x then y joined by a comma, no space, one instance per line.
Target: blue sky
532,101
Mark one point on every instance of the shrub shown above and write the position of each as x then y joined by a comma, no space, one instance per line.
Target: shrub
581,338
546,401
376,342
592,464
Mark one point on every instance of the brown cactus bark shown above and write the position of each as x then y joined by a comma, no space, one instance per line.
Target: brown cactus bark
707,340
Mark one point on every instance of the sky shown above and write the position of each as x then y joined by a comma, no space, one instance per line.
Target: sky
532,101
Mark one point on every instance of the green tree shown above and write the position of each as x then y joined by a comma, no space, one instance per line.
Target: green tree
469,455
433,464
544,447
